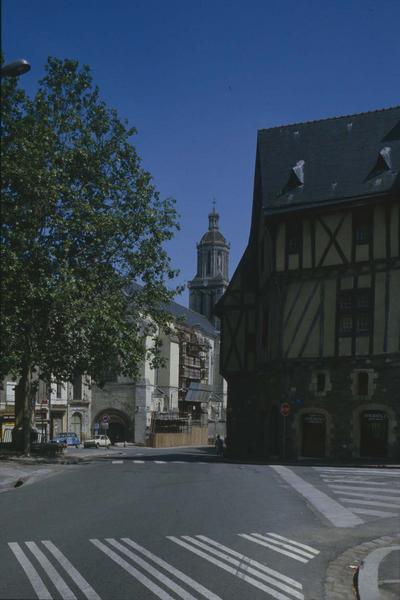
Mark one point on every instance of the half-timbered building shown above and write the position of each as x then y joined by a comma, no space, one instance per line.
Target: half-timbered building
311,317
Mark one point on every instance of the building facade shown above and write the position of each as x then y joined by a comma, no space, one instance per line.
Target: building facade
189,353
311,319
59,407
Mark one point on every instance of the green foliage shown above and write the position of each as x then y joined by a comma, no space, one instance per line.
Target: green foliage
81,223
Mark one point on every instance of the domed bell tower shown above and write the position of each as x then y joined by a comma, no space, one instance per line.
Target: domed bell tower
212,278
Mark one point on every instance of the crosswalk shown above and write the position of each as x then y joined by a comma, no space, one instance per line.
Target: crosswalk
242,566
52,574
371,493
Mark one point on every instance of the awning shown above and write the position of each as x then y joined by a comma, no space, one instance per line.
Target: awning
198,392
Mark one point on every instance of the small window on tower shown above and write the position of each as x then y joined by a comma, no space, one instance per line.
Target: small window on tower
208,271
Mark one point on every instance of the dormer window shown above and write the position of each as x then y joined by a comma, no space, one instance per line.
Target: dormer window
383,163
296,177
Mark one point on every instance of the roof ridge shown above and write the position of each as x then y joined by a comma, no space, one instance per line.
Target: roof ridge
337,117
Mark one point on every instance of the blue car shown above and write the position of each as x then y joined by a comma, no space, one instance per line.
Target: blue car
68,439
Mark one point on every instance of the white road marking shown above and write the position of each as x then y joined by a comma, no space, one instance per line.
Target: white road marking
36,581
138,462
294,543
337,514
63,589
371,496
80,581
369,502
159,462
272,544
117,462
159,561
153,571
365,488
153,587
364,472
236,571
333,481
373,513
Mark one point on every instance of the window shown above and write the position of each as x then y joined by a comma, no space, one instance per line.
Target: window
362,384
321,382
10,392
262,251
208,269
354,312
265,328
59,390
294,237
362,226
78,388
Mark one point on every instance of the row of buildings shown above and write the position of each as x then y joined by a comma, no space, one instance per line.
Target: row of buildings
189,384
306,333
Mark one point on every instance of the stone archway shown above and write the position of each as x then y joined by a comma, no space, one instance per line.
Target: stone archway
118,427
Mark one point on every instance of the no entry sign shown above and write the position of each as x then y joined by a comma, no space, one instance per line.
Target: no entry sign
285,409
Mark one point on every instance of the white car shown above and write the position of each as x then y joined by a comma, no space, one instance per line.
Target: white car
99,441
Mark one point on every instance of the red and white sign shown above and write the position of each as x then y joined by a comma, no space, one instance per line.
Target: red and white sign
106,419
285,409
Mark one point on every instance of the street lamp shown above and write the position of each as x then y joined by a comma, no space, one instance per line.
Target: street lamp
16,68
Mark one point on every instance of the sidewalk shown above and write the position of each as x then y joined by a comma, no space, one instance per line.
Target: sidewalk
14,474
370,571
379,574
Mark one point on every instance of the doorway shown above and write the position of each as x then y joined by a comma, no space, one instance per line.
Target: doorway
374,434
313,435
76,424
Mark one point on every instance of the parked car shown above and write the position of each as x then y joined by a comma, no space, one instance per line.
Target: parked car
68,439
97,442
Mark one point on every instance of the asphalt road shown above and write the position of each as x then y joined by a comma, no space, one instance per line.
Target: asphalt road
181,523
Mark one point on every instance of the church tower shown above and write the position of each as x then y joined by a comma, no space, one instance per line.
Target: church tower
211,279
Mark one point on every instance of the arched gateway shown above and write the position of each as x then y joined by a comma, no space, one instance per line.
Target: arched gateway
118,424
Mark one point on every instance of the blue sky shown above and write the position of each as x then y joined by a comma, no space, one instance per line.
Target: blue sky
198,78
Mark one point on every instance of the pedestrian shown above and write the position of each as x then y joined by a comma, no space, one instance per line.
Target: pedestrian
219,445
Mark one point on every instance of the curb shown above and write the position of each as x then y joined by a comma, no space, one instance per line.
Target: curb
341,580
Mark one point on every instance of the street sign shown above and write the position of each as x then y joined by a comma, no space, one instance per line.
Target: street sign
106,418
285,409
105,426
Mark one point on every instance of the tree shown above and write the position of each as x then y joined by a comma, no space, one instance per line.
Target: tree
81,224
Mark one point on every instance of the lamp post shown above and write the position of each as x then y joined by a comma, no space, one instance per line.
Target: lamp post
16,68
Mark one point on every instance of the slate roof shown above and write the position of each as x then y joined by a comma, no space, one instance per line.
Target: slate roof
192,318
341,160
187,315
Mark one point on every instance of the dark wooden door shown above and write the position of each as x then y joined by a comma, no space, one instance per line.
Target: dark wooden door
314,435
374,433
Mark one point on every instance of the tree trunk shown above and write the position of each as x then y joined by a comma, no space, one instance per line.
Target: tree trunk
23,412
